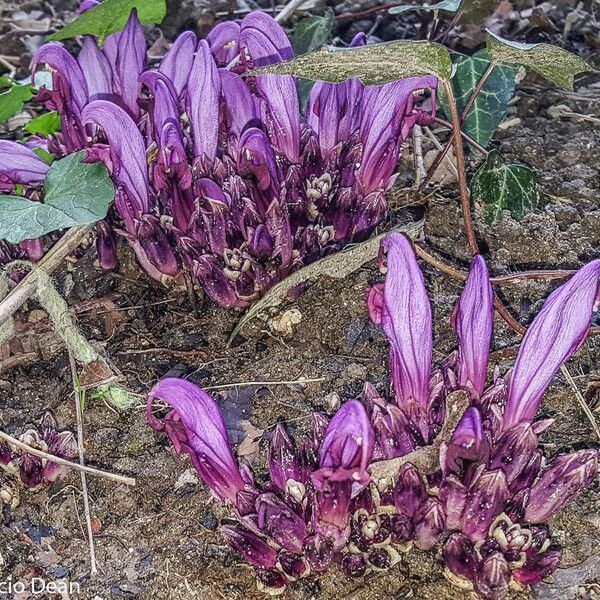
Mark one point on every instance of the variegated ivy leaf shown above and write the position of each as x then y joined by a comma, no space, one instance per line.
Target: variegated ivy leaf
373,65
552,63
501,186
489,107
450,6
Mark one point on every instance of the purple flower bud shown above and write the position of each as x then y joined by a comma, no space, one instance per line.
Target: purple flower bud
513,451
131,63
283,461
293,565
354,565
430,525
202,102
460,558
271,580
20,165
250,546
319,552
255,156
556,333
64,445
409,491
197,428
177,62
223,41
96,69
406,321
468,443
493,577
538,567
473,319
128,152
453,494
485,500
280,522
106,245
562,481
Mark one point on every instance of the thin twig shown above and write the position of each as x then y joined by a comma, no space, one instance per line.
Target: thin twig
288,10
365,13
581,400
81,451
14,442
265,383
27,287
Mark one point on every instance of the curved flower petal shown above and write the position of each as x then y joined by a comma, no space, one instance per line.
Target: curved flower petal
128,148
19,164
96,70
204,433
406,321
223,40
177,62
202,101
556,333
473,320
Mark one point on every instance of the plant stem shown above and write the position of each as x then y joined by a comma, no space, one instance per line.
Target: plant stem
462,173
440,157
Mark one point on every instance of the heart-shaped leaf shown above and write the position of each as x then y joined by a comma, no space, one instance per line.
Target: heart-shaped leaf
551,62
450,6
489,107
373,65
75,194
501,186
110,16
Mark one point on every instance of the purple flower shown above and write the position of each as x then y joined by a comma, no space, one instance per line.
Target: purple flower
473,320
562,481
20,165
196,427
556,333
290,190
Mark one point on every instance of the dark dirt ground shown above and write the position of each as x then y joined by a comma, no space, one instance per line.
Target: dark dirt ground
159,540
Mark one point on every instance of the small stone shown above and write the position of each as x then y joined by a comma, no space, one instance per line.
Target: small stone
209,521
331,402
283,323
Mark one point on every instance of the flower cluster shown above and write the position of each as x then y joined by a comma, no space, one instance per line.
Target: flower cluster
215,172
489,497
32,471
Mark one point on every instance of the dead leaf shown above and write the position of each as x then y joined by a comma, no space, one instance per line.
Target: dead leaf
250,444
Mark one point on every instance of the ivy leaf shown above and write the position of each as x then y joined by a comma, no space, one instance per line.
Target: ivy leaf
12,100
450,6
111,16
311,34
501,186
489,107
551,62
373,65
45,124
75,194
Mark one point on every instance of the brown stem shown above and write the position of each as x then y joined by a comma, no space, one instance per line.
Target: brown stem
498,280
476,91
462,173
505,314
465,137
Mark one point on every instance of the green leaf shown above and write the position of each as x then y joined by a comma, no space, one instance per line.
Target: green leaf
313,33
45,124
489,107
75,194
552,63
12,100
110,16
49,158
373,65
500,186
450,6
